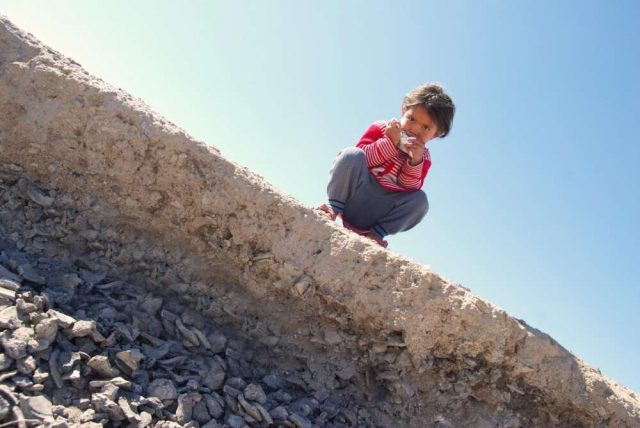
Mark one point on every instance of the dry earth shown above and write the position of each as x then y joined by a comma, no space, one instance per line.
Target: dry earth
147,281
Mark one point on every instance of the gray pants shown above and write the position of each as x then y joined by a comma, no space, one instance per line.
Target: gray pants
355,193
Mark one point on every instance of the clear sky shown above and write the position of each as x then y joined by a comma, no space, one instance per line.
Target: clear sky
535,194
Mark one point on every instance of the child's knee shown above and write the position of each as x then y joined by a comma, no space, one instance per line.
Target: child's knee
351,155
420,203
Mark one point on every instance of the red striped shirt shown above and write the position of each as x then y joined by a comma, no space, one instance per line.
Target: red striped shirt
390,166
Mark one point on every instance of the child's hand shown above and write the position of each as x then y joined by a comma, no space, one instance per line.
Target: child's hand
393,131
415,149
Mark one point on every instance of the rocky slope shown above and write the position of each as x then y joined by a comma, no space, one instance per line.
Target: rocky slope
123,238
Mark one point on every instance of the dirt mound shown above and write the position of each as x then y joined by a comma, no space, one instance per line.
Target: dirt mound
91,178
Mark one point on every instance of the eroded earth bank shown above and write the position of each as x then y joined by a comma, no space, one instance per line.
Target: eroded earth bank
147,281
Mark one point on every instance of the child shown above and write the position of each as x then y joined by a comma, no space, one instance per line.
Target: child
375,186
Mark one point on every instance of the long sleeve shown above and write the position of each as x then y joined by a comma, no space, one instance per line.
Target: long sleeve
411,176
377,147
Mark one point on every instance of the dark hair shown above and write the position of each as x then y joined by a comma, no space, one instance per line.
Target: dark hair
438,104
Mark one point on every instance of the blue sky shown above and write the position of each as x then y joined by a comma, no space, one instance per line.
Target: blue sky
532,200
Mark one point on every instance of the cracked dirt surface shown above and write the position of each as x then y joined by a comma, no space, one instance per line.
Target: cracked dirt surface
172,214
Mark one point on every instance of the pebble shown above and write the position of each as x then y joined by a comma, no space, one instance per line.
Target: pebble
100,365
254,392
214,406
164,389
131,359
27,272
37,407
279,413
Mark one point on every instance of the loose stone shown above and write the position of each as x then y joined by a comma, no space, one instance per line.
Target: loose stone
131,359
26,365
27,272
300,421
254,392
164,389
47,329
37,407
214,406
100,364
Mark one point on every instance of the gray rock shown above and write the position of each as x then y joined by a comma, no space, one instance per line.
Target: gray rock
236,421
54,369
8,284
248,408
39,376
37,407
63,320
164,389
131,416
68,282
273,382
84,328
279,413
300,421
9,318
25,307
67,360
254,392
266,417
100,365
215,406
236,383
145,419
131,359
214,379
117,381
151,305
186,402
5,408
8,275
218,342
5,362
15,343
47,329
7,297
92,277
102,403
110,391
200,412
26,365
39,198
27,272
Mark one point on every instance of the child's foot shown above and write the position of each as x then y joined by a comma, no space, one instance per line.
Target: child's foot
378,240
347,225
326,210
365,232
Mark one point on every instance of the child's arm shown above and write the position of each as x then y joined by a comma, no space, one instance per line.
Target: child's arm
412,176
377,146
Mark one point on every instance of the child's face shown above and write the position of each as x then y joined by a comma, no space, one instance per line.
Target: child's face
418,123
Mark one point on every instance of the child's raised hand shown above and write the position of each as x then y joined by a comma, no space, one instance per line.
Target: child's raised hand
393,130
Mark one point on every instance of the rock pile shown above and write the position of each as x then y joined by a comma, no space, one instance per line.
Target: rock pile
80,346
